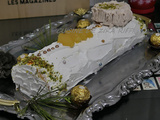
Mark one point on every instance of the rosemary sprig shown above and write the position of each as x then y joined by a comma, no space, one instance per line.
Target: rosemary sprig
40,101
43,113
44,39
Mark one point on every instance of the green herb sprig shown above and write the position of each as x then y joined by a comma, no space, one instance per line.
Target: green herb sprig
38,102
44,39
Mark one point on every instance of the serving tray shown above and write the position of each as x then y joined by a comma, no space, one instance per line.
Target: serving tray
107,87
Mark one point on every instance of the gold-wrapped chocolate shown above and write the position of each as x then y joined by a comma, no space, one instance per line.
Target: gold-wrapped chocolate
155,39
22,57
80,11
83,23
80,95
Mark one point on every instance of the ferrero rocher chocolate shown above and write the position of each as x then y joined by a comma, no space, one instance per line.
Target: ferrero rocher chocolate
80,11
83,23
21,57
80,94
155,39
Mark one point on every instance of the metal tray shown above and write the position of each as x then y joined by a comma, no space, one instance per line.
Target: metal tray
113,81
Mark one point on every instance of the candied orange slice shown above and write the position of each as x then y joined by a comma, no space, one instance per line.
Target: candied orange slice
70,37
65,39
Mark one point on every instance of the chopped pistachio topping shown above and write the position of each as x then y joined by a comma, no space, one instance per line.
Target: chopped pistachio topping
108,6
39,62
43,72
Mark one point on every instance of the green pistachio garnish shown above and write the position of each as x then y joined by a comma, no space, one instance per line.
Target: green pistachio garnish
43,72
39,62
108,6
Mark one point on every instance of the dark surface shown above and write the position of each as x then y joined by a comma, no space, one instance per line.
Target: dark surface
13,29
141,105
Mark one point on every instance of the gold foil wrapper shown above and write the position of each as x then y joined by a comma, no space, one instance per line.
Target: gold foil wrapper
155,39
80,11
80,94
83,23
21,57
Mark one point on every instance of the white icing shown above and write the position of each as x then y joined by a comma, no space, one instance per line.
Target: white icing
85,58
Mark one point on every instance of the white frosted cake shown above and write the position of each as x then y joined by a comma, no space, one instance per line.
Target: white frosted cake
67,61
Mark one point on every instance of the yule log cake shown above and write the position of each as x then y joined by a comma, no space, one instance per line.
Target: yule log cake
79,53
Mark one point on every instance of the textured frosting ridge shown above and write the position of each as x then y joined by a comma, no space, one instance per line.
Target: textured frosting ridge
112,13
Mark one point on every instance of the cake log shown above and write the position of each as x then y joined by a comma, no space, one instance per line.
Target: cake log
56,65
